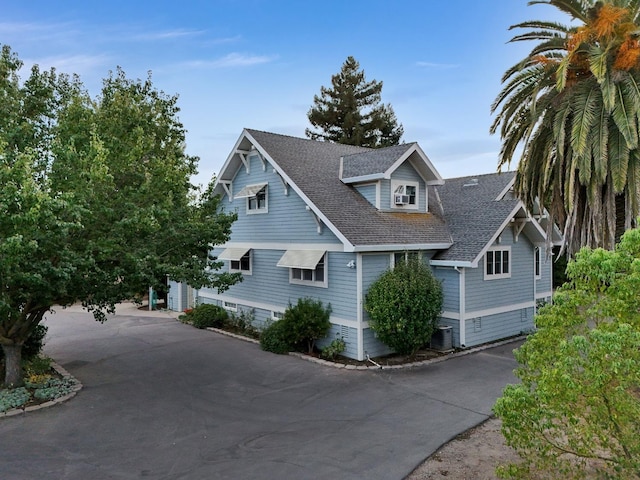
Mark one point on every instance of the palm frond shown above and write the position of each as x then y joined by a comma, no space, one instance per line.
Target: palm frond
618,158
625,116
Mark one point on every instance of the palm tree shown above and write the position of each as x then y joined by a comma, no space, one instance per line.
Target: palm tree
573,106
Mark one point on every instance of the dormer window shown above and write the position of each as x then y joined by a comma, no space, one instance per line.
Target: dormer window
259,202
404,194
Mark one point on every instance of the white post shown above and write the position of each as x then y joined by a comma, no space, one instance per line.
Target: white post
150,298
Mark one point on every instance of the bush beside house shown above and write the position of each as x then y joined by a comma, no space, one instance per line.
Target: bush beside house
404,304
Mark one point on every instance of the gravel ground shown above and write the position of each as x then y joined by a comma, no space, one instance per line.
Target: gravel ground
473,455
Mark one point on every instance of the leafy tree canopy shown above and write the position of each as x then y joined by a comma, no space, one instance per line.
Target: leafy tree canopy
351,111
573,106
575,413
96,203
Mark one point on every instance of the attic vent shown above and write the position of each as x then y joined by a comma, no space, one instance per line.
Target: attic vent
472,182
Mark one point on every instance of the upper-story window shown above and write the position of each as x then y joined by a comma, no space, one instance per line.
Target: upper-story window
498,263
257,197
537,261
258,204
243,264
404,194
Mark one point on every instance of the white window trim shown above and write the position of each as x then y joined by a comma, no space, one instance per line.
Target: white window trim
230,306
275,317
257,211
406,254
537,260
312,283
406,183
239,270
495,276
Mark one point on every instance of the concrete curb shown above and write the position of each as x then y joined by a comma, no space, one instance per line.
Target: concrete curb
64,374
421,363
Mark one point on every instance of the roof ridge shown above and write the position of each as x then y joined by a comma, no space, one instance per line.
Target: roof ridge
481,175
346,145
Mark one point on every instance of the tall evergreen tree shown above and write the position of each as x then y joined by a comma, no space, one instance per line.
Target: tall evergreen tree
573,105
351,112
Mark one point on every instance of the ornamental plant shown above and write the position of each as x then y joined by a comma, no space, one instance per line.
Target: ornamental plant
404,304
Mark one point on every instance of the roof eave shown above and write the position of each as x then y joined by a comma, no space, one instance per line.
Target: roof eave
402,247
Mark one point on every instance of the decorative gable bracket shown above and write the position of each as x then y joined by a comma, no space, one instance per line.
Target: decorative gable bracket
243,156
315,217
284,182
226,185
518,226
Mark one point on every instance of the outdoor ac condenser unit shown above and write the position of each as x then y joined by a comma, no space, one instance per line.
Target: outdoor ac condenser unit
442,339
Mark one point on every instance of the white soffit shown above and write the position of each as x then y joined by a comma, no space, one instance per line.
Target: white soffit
305,259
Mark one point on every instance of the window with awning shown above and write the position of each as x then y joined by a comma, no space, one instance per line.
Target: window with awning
305,266
239,259
250,191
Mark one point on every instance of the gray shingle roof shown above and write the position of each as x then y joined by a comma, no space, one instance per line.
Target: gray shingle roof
314,168
374,161
472,212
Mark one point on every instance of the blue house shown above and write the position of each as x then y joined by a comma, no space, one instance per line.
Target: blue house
324,220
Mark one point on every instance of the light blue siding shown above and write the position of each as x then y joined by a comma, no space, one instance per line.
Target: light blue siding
372,267
368,192
287,219
372,346
481,330
544,283
348,334
484,294
268,286
450,280
408,173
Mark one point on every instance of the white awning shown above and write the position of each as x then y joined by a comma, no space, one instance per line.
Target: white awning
250,191
234,254
306,259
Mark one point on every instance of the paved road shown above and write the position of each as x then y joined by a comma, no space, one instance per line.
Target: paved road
162,400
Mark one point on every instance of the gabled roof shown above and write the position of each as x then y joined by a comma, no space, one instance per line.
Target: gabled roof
312,169
477,209
382,162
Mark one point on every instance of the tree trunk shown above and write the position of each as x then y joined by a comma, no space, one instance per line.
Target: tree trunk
13,365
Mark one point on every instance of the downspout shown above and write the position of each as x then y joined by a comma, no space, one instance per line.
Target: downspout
359,301
461,306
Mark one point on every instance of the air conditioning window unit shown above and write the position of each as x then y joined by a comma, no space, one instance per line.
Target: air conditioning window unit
401,199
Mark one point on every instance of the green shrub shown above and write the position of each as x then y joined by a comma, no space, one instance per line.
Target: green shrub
207,315
54,388
243,323
404,305
335,348
307,321
276,338
39,365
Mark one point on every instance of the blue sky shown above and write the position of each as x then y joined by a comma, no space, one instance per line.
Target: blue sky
258,64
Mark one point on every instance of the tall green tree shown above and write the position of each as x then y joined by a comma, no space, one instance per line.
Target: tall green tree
96,204
351,111
573,106
576,412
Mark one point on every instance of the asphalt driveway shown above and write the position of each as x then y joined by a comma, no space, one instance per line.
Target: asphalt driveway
163,400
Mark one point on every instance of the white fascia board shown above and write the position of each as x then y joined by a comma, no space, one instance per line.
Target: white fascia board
363,178
401,247
347,244
506,189
329,247
507,221
423,156
451,263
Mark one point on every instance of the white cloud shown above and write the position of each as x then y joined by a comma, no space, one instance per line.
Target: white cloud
231,60
80,64
169,35
436,65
